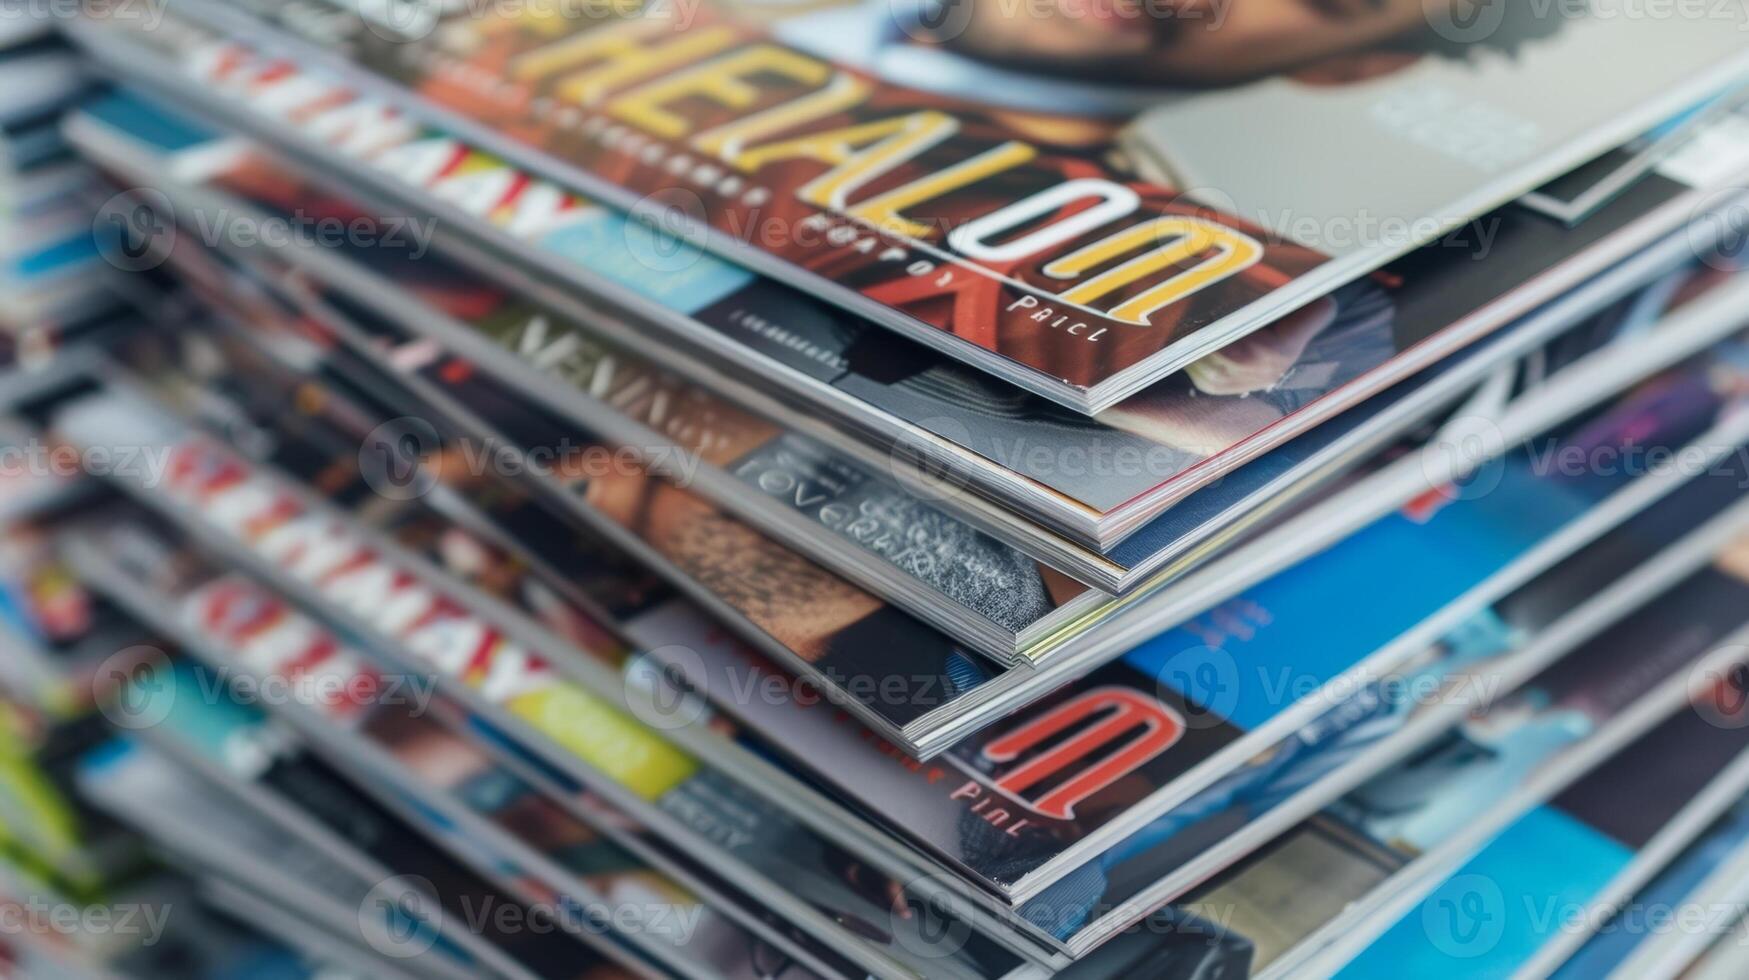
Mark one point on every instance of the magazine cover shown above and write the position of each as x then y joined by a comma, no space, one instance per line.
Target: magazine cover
1321,882
875,685
1668,920
1006,812
518,424
309,788
465,555
1137,679
1415,699
1704,883
257,640
641,768
555,589
1557,870
200,723
254,636
1519,750
1660,406
951,576
984,594
493,797
1008,238
1093,480
1258,626
497,573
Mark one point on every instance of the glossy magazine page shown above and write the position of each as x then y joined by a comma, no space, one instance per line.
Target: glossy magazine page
909,205
1555,868
1093,480
372,806
1659,404
1323,883
569,724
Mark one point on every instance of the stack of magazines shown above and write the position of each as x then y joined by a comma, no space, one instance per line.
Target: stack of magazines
47,256
858,488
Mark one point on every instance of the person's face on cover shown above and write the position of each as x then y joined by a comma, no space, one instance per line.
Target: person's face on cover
1194,42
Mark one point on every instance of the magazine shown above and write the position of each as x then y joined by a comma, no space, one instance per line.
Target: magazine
304,428
576,905
1450,799
201,825
1089,482
1008,238
1560,867
1146,686
961,809
638,768
697,934
237,747
1668,920
994,590
1648,415
1577,194
1480,659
